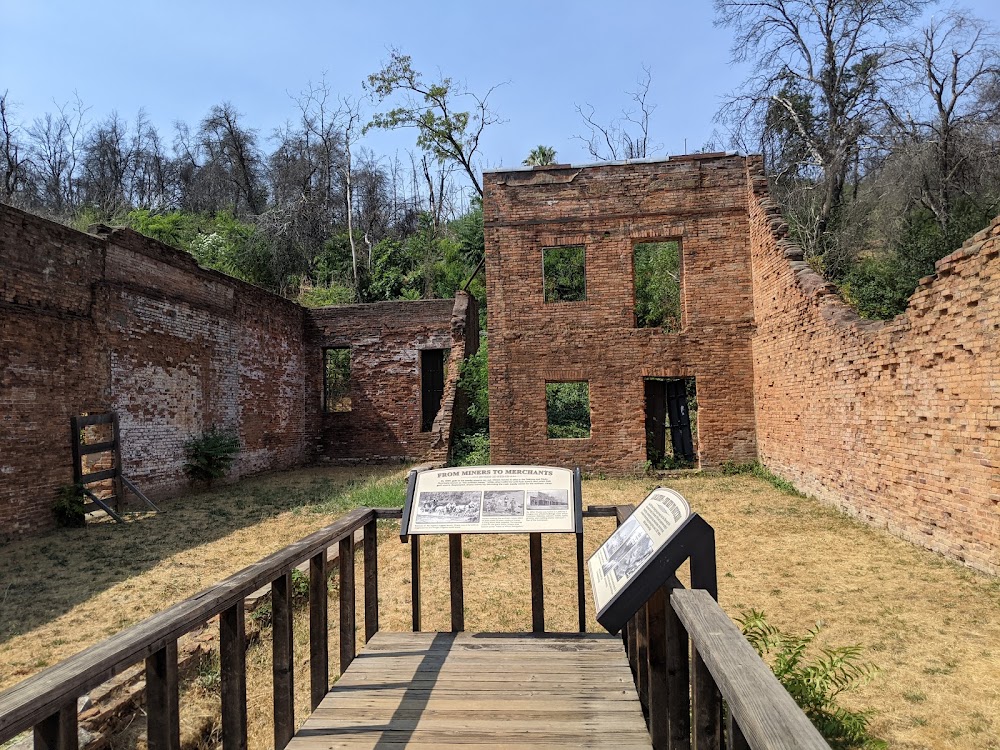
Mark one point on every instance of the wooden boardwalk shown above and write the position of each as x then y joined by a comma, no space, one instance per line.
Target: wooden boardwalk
429,690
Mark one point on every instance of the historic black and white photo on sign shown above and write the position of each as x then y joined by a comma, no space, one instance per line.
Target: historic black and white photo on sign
449,507
548,499
503,503
628,549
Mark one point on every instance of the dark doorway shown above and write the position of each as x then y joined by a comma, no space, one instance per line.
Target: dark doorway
432,372
671,409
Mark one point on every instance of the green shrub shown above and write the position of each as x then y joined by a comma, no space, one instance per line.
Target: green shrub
211,455
69,509
816,681
471,449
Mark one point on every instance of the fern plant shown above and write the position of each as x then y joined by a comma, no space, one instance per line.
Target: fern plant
69,506
815,680
210,456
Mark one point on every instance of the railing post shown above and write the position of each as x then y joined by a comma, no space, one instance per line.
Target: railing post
232,658
707,701
734,735
319,639
642,656
678,677
347,609
656,658
163,723
58,731
457,591
371,579
415,580
537,590
283,664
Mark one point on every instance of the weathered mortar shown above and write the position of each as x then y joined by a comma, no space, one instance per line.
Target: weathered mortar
609,208
117,321
895,422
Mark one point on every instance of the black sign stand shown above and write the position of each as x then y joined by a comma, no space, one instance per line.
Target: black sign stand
694,540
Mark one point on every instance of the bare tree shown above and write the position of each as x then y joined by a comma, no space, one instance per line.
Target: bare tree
232,155
954,63
14,163
55,141
816,82
626,137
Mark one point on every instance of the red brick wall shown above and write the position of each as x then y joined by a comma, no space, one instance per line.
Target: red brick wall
896,422
608,208
385,339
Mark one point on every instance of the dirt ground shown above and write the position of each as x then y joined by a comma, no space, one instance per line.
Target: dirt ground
931,626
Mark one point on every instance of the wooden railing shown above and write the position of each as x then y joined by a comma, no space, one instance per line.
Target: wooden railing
685,653
48,701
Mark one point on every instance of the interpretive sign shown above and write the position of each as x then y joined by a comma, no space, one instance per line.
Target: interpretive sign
492,500
642,553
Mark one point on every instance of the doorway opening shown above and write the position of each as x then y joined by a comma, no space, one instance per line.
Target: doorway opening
671,423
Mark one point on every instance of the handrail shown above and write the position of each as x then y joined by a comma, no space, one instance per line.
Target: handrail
763,714
39,698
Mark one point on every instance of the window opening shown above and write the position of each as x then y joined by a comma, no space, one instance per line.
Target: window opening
337,380
433,371
564,273
657,271
567,408
671,410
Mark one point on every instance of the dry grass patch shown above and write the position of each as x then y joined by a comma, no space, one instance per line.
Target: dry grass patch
931,626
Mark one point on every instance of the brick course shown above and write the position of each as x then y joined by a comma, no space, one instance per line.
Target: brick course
700,201
117,321
897,422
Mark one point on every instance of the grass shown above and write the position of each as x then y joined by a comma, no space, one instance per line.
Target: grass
931,626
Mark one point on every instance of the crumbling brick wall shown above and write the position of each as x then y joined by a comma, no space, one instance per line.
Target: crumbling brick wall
895,422
115,321
386,340
699,200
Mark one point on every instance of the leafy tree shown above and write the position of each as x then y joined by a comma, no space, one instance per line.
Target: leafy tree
434,109
657,285
567,406
540,156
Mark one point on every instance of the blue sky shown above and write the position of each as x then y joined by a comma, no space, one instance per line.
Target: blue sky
176,59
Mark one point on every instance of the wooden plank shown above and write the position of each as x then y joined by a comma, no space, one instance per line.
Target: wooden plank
163,719
103,505
233,668
99,476
371,579
86,450
678,677
735,740
29,702
131,485
91,419
764,710
58,731
641,658
656,659
348,622
415,580
581,591
116,483
706,705
74,434
319,638
455,577
283,660
537,589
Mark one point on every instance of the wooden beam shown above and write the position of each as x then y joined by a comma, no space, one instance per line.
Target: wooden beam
233,664
319,638
656,657
283,660
348,623
537,588
58,731
415,580
371,579
455,576
163,720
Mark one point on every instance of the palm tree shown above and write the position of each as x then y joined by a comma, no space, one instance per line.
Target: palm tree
540,156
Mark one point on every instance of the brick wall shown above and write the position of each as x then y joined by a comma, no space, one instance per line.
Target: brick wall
116,321
386,340
896,423
700,201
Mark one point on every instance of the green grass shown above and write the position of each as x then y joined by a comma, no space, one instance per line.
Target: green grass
757,469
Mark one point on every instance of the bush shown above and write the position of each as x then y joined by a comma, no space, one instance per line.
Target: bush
210,456
471,449
69,509
816,682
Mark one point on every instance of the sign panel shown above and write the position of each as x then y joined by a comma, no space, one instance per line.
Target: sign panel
634,544
492,500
